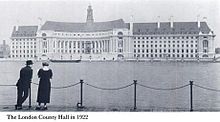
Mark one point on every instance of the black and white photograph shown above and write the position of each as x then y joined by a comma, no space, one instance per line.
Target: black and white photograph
110,56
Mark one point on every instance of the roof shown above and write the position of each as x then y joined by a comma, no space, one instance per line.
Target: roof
24,31
178,28
83,27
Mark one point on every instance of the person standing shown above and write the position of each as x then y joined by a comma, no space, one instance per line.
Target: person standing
43,96
23,84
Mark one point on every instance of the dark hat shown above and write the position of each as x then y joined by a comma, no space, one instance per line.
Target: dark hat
29,62
45,64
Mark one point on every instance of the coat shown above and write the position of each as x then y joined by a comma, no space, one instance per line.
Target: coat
44,87
25,77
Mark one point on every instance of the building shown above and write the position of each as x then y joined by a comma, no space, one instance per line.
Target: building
114,40
23,42
4,50
173,40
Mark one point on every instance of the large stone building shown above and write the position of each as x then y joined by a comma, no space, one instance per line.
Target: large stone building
114,40
23,42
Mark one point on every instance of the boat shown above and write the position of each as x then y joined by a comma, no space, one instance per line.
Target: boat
65,61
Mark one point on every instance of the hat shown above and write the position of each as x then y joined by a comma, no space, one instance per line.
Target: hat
29,62
45,64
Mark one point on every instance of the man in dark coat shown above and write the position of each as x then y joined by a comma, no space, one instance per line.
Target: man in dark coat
23,84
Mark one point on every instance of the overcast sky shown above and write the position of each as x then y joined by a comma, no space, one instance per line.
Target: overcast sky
16,12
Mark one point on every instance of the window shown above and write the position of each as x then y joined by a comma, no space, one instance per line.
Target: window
182,56
168,50
44,34
205,43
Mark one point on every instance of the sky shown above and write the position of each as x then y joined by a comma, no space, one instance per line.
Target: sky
18,13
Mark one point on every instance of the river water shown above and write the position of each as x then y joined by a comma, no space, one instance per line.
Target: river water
117,74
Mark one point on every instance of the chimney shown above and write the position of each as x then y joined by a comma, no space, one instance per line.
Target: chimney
131,24
171,21
158,21
198,21
14,29
204,19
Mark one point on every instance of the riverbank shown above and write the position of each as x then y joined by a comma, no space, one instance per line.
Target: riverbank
53,108
121,60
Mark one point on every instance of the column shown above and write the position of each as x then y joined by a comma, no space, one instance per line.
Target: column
111,45
116,45
108,46
55,46
103,41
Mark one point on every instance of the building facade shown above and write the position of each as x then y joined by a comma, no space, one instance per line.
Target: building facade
113,40
23,42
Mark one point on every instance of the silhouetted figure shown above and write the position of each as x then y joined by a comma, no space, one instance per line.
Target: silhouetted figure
43,96
23,84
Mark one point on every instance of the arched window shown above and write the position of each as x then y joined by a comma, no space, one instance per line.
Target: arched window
44,34
120,34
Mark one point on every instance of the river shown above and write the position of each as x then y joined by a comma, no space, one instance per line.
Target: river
117,74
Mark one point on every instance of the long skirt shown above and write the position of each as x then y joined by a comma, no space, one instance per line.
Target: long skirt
44,89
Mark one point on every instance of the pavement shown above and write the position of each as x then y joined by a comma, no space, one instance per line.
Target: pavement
56,108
